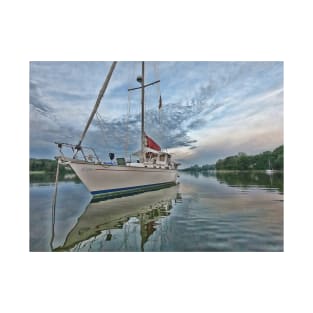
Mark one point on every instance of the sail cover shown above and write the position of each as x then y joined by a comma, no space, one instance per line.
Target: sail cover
150,143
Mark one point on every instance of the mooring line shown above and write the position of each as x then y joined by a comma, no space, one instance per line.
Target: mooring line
54,204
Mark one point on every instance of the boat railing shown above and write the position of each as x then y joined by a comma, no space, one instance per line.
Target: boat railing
88,154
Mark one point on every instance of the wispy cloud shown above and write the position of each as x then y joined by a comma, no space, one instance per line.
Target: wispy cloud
210,109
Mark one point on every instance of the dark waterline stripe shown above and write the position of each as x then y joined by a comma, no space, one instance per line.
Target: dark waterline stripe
130,188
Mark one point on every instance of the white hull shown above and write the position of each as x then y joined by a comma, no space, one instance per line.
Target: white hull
104,180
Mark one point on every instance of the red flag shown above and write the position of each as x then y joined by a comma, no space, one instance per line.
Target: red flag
150,143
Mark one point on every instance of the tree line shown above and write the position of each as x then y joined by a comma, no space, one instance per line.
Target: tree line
265,160
44,170
197,168
46,165
242,162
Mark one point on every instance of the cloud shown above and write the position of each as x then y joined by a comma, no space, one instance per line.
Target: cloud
254,127
36,99
209,109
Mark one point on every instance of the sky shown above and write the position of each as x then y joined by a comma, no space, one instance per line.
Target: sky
210,110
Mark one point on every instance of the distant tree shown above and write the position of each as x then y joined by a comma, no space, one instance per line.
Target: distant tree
242,161
261,161
219,164
208,167
197,168
46,165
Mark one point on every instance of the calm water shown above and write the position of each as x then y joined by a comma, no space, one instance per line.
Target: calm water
205,212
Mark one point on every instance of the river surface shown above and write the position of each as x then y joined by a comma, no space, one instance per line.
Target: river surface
226,211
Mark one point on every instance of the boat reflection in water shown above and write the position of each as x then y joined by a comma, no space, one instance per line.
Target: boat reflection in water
104,225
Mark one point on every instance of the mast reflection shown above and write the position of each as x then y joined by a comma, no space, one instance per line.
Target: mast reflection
96,226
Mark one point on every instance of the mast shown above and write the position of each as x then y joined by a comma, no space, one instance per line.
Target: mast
141,80
142,110
101,93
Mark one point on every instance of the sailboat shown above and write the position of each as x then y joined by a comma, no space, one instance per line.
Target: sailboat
154,170
270,170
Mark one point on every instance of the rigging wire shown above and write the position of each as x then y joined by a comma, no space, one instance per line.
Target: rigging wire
131,78
101,126
158,94
127,125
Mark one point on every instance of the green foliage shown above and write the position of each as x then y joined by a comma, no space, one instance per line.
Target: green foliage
47,166
197,168
262,161
208,167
